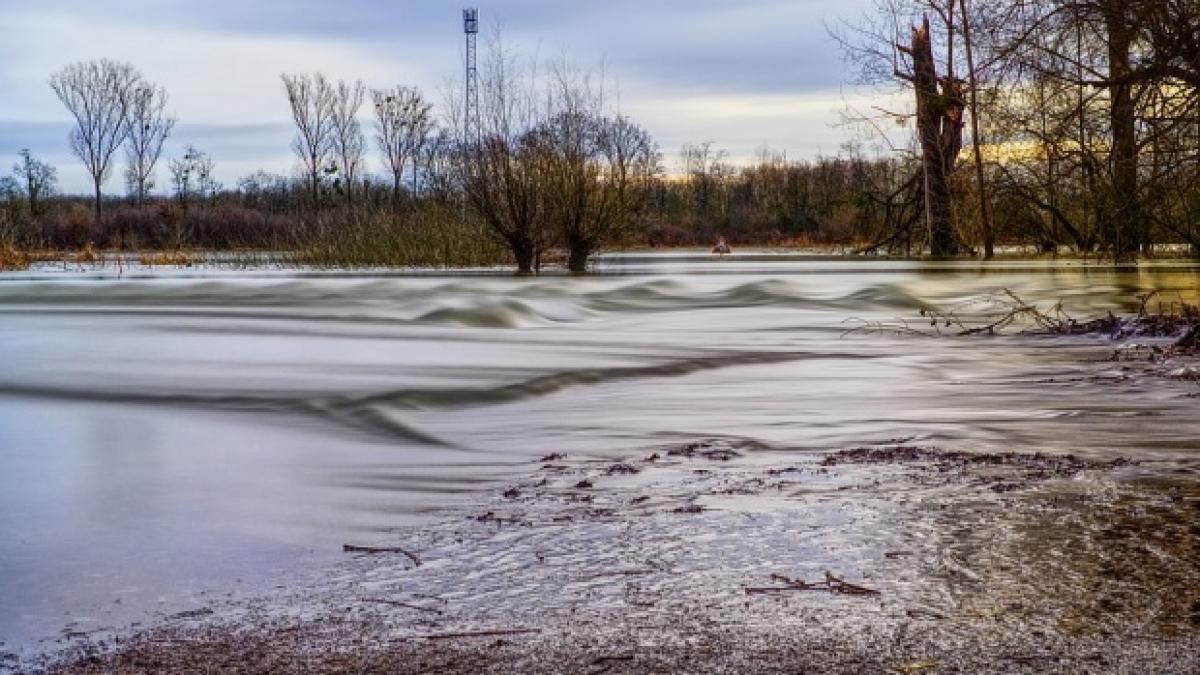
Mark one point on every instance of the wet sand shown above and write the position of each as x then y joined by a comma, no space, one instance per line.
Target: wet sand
702,557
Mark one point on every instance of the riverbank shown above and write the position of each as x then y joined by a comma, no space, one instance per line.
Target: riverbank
889,557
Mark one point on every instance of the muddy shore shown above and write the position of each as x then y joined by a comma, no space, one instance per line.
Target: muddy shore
704,557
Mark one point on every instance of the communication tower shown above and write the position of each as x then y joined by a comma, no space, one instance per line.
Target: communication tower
471,104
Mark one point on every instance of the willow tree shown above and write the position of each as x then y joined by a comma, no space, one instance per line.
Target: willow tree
595,171
499,167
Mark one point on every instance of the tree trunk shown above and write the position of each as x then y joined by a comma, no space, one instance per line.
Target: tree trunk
579,252
525,253
1125,229
939,130
99,200
985,220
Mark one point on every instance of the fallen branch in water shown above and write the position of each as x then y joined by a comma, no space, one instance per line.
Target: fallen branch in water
375,550
996,313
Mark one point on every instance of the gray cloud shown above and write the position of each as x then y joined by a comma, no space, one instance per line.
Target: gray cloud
684,66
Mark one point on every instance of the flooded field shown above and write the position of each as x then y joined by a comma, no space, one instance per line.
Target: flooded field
173,440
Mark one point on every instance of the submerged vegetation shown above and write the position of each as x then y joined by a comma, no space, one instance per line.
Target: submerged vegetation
1163,336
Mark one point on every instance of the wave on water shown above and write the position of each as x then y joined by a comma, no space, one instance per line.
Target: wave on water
470,303
378,413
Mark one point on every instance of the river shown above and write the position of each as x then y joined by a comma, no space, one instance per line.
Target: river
169,435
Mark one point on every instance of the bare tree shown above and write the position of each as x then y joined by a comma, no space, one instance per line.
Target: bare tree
38,180
499,170
939,118
312,102
924,63
594,168
347,143
973,84
149,127
437,160
1096,47
707,169
98,95
193,177
403,125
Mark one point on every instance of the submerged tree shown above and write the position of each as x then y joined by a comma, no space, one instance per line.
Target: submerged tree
595,168
98,95
149,127
499,169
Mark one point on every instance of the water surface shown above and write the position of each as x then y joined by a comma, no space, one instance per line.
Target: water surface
169,435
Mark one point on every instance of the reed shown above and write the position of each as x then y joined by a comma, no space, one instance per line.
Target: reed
433,236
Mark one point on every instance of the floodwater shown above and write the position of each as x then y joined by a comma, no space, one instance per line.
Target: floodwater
168,436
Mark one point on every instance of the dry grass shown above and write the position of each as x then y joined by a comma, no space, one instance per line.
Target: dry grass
432,237
175,258
12,258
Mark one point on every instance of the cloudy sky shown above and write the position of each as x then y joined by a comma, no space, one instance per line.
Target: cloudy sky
739,73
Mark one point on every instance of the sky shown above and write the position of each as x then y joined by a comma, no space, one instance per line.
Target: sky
741,74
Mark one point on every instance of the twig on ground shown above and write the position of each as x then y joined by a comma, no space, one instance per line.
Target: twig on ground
375,550
831,584
479,633
397,603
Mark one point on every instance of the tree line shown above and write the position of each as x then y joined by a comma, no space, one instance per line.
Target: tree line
1047,123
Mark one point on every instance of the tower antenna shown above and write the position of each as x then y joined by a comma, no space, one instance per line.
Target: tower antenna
471,105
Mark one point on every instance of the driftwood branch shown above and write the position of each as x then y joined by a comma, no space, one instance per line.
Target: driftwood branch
397,603
480,633
831,584
375,550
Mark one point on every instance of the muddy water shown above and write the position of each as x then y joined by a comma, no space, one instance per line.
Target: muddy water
171,436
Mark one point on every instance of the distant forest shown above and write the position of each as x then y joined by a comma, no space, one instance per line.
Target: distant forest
1048,125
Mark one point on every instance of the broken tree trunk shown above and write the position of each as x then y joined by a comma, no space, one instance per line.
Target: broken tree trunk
939,129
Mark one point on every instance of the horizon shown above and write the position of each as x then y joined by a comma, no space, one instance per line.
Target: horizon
762,87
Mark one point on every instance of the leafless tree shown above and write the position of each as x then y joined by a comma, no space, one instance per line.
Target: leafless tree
1127,64
193,176
37,180
595,168
973,106
707,169
348,145
149,127
499,170
312,99
98,95
403,125
437,160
